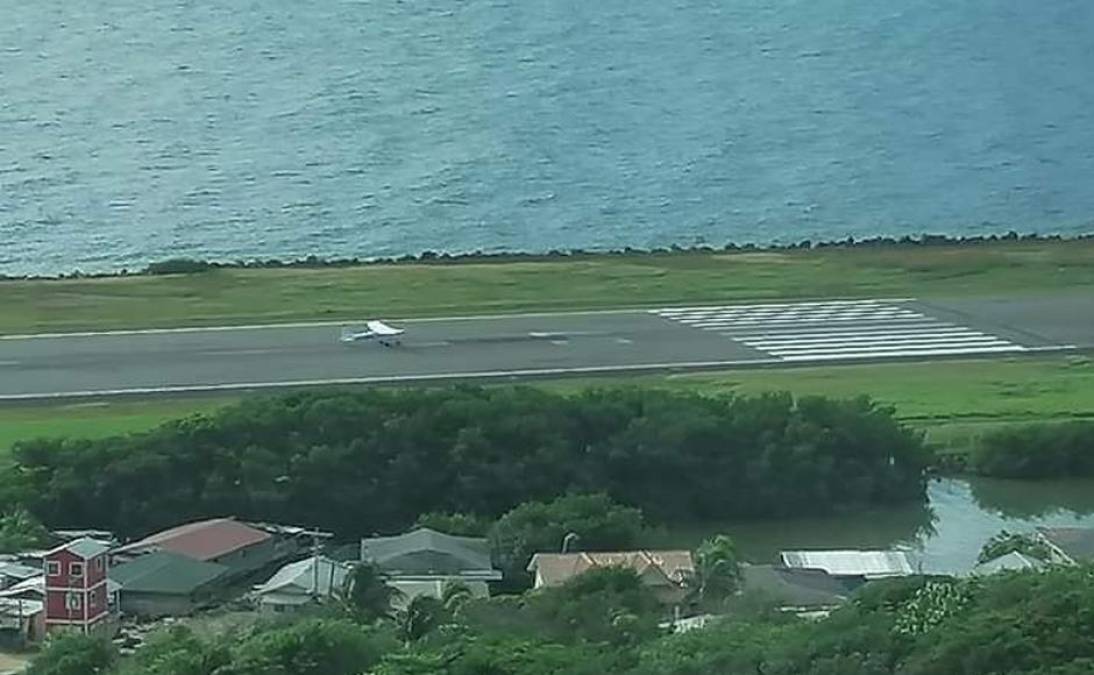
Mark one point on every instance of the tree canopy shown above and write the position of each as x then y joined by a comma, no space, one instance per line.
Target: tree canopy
1037,451
372,461
606,621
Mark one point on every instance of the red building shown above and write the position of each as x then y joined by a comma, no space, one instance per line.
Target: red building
76,586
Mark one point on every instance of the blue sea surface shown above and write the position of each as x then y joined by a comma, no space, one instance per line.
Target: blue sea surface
133,131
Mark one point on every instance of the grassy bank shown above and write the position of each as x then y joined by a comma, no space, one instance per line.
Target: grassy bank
227,296
94,420
954,401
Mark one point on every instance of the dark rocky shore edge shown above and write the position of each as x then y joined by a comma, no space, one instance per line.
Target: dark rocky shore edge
194,266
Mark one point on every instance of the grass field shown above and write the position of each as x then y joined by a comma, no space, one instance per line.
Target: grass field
276,295
954,401
94,420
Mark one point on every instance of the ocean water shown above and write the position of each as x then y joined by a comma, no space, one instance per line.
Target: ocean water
135,130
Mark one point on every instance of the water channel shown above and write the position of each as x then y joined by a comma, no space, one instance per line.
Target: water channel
944,535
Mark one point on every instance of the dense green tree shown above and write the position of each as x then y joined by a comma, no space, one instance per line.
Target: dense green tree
456,524
370,461
177,651
366,595
604,605
596,523
309,647
503,656
420,616
1036,451
21,531
74,654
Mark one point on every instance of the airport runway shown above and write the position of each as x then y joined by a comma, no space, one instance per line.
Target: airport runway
521,346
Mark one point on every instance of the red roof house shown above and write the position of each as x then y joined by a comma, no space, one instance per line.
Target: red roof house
223,541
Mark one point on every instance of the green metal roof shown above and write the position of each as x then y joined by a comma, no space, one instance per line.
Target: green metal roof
165,572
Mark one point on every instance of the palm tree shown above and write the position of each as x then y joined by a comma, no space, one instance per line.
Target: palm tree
717,570
366,595
454,595
422,614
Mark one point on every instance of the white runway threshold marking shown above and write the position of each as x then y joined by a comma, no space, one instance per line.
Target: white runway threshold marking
840,330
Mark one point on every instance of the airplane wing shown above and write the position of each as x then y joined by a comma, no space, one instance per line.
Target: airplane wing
382,329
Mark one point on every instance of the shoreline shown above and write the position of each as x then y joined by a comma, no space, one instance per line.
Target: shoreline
185,265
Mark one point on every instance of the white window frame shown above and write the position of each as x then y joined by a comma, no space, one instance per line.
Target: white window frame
99,564
53,568
73,601
76,569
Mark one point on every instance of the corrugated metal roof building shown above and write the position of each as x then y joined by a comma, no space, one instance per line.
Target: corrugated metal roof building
866,565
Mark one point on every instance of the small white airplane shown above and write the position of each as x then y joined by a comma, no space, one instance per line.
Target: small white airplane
374,330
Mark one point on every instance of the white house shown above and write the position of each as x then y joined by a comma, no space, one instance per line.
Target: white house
301,584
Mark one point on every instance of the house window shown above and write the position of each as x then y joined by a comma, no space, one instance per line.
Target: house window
99,564
72,601
76,569
53,568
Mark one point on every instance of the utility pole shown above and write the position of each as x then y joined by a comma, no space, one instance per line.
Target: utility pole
316,536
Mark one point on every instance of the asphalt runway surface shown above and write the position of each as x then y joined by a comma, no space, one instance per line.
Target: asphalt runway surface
546,345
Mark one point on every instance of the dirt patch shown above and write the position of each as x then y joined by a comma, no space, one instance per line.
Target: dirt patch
10,663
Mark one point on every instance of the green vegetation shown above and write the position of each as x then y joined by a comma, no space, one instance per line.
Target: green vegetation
1010,542
1037,451
606,621
94,420
584,522
358,463
717,571
21,531
227,296
955,402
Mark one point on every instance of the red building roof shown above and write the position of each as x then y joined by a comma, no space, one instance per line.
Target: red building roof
203,540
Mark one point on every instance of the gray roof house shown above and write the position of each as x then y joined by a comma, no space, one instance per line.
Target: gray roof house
1068,545
164,583
12,573
800,591
422,561
300,584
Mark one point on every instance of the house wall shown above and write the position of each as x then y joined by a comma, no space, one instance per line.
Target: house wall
250,558
412,588
57,604
63,578
281,603
156,605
